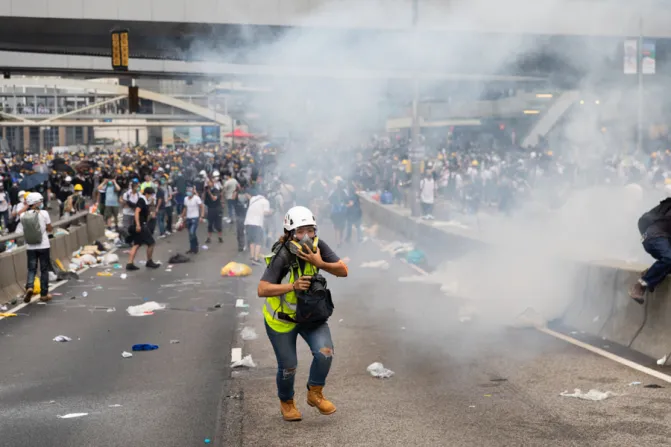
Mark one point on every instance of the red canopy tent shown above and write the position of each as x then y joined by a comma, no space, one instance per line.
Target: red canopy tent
237,133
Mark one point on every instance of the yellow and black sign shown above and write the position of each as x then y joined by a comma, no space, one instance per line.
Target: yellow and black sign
120,51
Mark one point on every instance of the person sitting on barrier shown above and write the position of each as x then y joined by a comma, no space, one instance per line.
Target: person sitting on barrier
655,229
75,203
140,233
34,224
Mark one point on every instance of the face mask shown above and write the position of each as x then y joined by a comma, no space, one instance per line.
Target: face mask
41,206
189,193
297,245
109,183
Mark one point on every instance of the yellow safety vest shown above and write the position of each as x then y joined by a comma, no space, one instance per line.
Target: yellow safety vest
287,303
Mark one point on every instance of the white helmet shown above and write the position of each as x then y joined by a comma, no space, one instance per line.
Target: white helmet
68,179
34,198
22,196
202,173
215,174
299,216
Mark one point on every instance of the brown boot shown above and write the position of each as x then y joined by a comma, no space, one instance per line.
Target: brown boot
46,298
637,292
28,295
289,410
317,399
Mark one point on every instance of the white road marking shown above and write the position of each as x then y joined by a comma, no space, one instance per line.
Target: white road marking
236,354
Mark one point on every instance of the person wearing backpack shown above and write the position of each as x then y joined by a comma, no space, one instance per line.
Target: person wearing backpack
655,229
300,307
34,224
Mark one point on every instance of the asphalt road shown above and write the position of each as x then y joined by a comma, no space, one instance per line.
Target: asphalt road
455,384
167,397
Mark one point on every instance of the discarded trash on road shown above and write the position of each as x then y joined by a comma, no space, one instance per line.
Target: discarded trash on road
144,347
634,383
248,333
145,309
62,338
236,269
241,303
4,308
246,361
85,294
106,274
217,306
7,315
378,370
243,314
384,265
653,385
126,354
662,361
114,406
174,342
72,415
590,395
124,276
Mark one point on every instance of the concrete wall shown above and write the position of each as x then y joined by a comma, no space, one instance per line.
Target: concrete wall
571,17
598,305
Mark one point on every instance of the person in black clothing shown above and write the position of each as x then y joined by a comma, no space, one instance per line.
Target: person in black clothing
655,229
213,193
140,233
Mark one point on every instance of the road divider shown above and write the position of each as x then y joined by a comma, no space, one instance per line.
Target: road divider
599,306
83,229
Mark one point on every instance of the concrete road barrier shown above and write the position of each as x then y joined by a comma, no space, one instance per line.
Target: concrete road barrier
600,304
20,258
59,250
9,289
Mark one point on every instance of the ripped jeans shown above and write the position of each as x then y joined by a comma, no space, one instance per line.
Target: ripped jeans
284,345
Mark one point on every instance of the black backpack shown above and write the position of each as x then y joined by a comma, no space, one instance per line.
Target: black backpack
313,306
654,215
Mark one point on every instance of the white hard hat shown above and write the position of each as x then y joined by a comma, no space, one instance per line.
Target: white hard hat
215,174
299,216
34,198
22,195
203,173
68,179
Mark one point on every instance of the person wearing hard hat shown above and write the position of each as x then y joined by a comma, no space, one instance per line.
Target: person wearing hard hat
34,224
300,255
75,203
213,196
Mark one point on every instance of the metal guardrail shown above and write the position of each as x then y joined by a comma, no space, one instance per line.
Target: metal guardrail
63,223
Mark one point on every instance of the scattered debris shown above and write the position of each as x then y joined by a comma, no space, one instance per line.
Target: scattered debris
341,320
653,385
7,315
248,333
234,269
106,274
634,383
147,308
246,361
498,379
62,338
207,440
72,415
124,276
662,361
378,370
205,247
217,306
384,265
174,342
115,405
243,314
487,395
241,303
144,347
4,308
85,294
594,395
126,354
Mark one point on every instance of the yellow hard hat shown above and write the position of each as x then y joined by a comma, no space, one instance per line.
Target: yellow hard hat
474,163
79,188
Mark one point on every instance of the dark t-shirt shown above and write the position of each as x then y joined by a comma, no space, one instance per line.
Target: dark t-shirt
277,269
144,209
213,203
160,195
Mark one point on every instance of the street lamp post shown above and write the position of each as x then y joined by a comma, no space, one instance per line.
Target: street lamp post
415,143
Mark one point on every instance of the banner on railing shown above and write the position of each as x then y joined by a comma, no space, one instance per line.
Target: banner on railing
648,57
630,56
